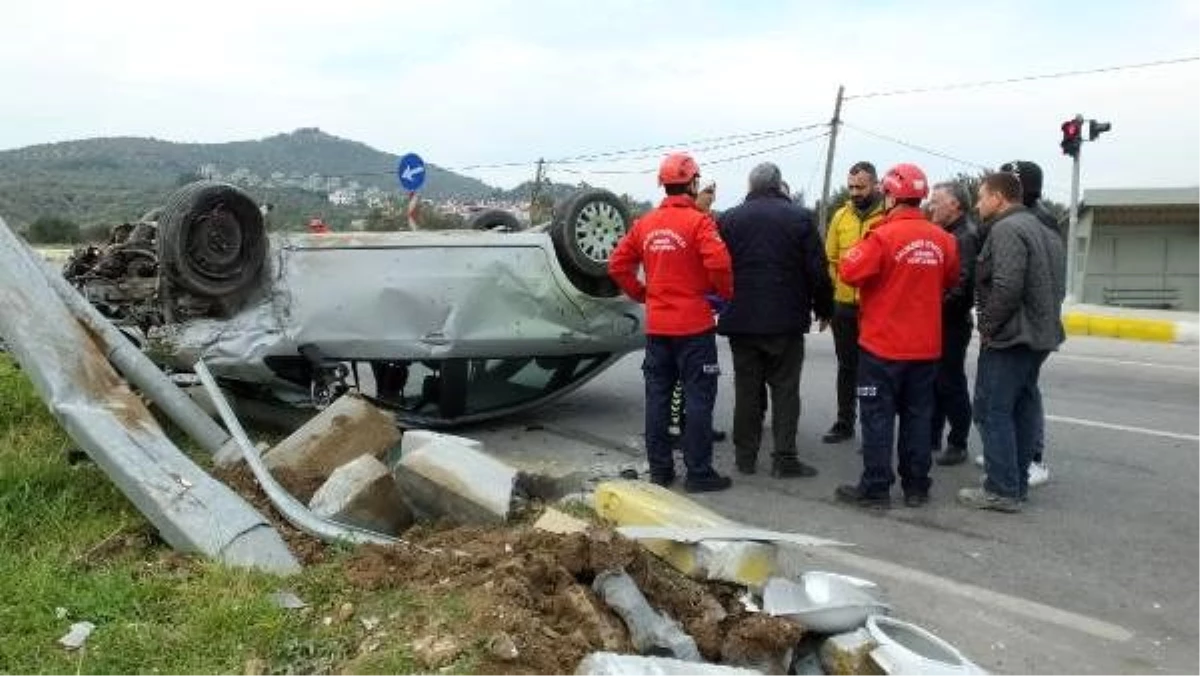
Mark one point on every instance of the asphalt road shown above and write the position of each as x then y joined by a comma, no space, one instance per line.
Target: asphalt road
1097,575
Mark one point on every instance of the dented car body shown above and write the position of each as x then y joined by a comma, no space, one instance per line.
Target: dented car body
442,327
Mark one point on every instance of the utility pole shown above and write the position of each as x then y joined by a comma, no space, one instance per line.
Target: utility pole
537,184
823,212
1072,230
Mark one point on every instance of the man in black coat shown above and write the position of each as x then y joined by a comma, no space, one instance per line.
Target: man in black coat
948,205
780,281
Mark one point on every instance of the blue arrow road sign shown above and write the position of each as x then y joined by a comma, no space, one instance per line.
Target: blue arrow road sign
411,170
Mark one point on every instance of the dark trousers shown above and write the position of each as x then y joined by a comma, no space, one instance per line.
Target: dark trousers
691,360
845,344
1008,411
952,401
760,362
887,389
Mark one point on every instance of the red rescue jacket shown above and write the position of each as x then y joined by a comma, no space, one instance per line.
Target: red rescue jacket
901,269
683,257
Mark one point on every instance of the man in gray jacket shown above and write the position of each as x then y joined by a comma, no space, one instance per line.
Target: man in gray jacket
1020,285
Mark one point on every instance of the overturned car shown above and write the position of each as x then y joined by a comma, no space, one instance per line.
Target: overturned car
443,327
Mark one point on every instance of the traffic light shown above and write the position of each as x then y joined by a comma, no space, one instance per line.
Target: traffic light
1072,136
1097,128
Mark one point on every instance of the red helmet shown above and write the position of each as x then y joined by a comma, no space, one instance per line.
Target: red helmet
677,169
905,182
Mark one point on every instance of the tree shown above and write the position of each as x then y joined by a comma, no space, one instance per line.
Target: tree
53,230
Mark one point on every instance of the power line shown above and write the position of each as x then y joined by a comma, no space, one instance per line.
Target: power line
1026,78
913,146
693,149
750,136
707,163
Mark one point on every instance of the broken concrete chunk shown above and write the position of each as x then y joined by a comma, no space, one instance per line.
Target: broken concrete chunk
287,600
363,493
554,521
610,664
78,634
849,653
349,428
441,475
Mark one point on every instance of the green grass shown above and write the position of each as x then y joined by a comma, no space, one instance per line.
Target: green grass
69,539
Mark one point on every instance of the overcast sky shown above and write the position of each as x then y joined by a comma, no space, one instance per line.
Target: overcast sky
466,83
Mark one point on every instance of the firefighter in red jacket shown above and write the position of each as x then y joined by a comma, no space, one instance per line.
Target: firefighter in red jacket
682,258
902,269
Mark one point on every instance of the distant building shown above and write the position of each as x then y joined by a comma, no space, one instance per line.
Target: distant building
1140,248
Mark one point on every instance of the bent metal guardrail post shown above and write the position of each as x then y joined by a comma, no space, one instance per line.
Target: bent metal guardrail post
191,510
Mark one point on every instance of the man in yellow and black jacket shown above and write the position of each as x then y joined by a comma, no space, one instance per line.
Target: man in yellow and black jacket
849,224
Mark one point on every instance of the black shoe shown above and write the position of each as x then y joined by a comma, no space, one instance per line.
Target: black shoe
953,455
747,466
707,484
854,495
915,499
664,480
838,433
790,467
719,436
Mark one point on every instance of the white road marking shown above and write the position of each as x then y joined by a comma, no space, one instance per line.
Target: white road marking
1122,428
1123,362
1013,604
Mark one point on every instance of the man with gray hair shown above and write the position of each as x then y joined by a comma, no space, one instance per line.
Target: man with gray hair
780,281
948,207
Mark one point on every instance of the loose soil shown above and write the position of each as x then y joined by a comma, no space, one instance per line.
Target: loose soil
531,590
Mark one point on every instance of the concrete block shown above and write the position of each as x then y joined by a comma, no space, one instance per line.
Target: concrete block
638,503
363,493
441,475
849,653
350,427
554,521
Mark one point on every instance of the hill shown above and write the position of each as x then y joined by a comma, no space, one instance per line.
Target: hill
109,180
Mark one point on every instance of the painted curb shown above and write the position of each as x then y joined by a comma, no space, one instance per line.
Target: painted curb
1131,328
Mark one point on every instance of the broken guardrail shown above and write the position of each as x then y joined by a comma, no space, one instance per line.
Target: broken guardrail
191,510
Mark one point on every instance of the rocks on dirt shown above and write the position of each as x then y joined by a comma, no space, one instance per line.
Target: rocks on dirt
349,428
501,647
363,493
436,651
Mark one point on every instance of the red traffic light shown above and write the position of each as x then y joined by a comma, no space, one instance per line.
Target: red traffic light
1072,136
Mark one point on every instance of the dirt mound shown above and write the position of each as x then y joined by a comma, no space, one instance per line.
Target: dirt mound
535,587
528,592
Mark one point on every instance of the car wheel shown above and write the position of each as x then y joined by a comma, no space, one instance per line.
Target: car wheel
495,219
211,239
585,232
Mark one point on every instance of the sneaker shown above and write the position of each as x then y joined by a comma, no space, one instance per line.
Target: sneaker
854,495
915,499
838,433
746,466
1038,473
953,455
979,460
708,483
982,498
790,467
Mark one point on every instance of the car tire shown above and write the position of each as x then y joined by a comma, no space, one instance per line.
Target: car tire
495,219
212,240
585,232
